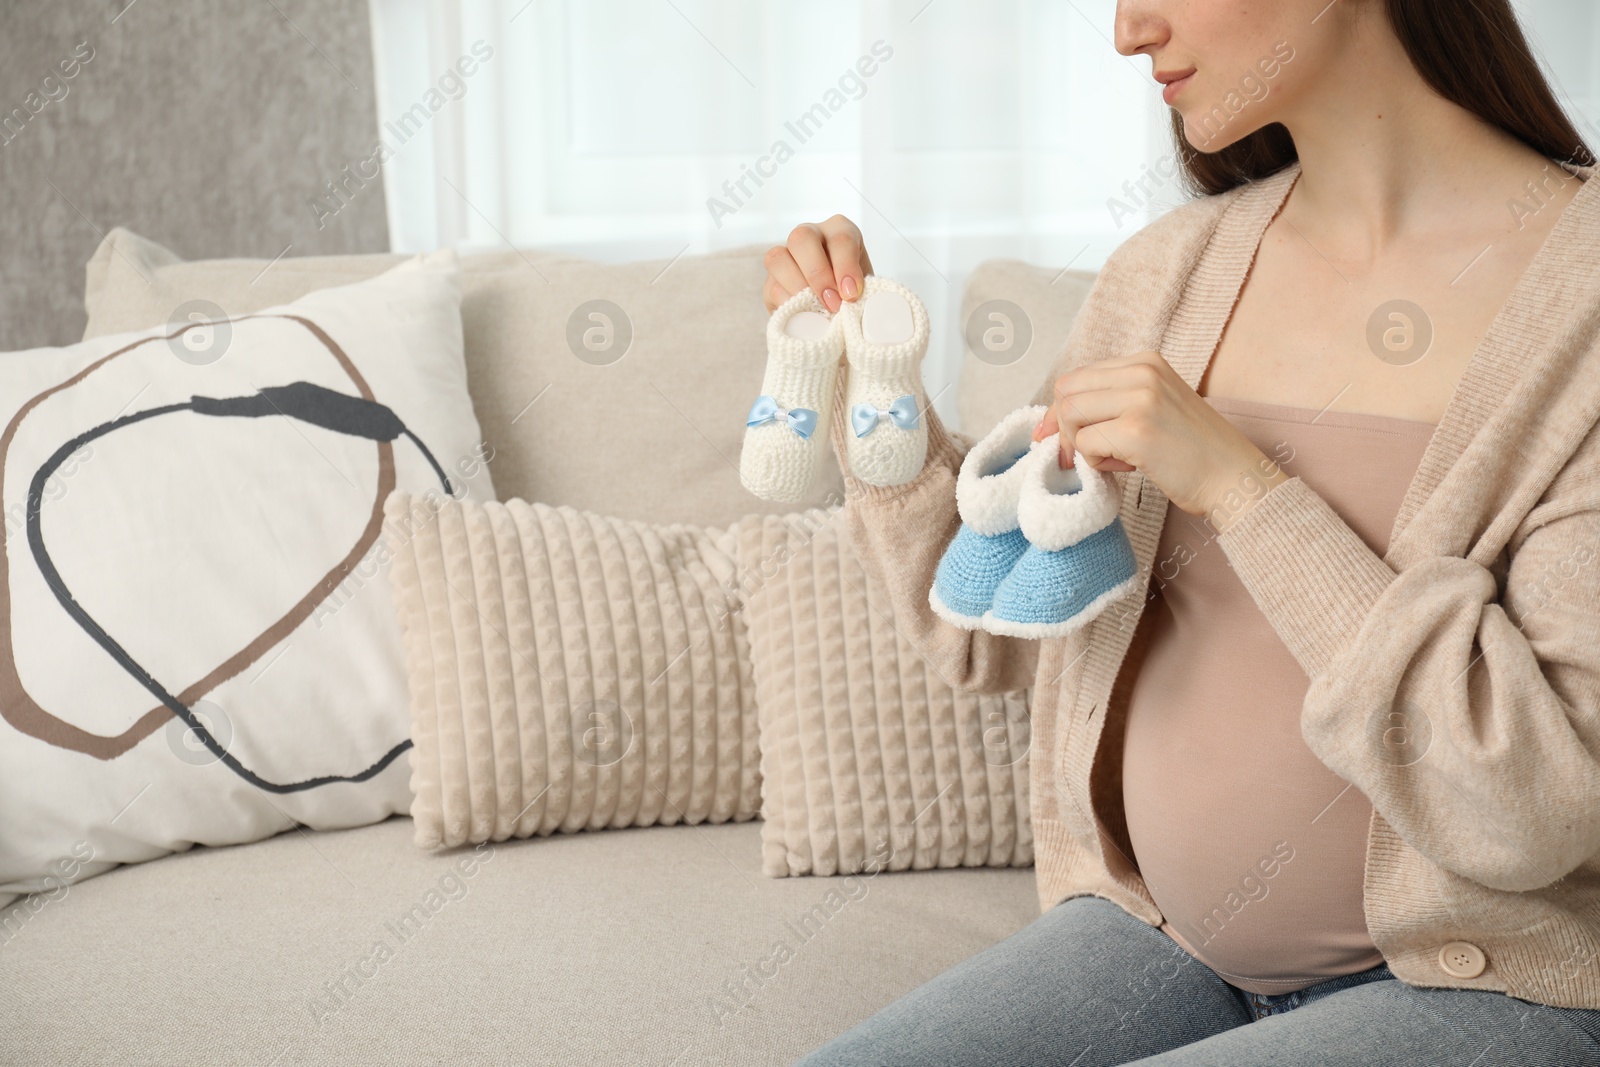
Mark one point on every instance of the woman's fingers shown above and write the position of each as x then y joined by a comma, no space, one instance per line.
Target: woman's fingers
1109,463
1081,418
827,257
1140,371
784,277
1086,422
772,294
1062,390
1097,393
1099,443
810,254
847,254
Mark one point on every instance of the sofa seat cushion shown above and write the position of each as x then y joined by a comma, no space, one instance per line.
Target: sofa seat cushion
641,946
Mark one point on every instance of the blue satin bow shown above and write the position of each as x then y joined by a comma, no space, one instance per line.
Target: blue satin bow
902,411
802,421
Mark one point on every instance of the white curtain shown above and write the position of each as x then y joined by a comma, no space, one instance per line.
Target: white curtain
951,131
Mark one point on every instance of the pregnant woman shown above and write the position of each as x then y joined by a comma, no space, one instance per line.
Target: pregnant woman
1328,790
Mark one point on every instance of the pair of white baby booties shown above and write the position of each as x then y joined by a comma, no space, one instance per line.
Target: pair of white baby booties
882,337
1041,550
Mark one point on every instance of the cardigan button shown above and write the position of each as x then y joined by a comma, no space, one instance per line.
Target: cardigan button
1462,959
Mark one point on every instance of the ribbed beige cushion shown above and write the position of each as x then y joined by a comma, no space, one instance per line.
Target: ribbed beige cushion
569,671
868,759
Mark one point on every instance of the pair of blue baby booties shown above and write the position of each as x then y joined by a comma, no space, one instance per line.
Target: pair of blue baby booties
1041,550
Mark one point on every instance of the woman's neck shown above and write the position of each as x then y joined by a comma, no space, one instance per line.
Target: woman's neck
1385,159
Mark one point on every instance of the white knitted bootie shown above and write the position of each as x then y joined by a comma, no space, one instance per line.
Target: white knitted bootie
787,427
886,336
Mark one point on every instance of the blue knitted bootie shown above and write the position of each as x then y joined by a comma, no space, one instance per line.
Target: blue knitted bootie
990,539
1079,560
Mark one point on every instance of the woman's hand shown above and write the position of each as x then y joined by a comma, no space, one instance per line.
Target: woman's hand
826,256
1136,413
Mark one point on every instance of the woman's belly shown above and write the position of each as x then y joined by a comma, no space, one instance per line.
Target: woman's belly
1251,847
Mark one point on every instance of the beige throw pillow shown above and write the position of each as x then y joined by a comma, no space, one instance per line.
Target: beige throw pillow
1016,319
620,389
869,760
197,638
569,671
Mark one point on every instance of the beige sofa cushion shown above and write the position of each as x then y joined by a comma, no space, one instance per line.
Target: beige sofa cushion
653,433
868,759
659,945
1016,318
569,671
629,947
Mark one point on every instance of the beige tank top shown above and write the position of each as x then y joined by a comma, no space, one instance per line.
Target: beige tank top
1252,848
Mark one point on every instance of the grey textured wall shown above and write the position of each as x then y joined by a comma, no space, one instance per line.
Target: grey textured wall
205,125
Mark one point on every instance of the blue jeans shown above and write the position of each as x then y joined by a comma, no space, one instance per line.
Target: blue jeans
1087,984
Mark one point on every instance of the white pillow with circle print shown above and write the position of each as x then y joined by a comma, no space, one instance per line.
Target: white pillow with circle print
197,638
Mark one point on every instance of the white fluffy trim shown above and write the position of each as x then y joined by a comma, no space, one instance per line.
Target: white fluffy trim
1039,631
949,614
987,501
1059,507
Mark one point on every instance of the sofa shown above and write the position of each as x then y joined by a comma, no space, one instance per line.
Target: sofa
666,944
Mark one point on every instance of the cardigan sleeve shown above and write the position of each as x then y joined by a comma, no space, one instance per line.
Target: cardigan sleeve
1469,715
900,534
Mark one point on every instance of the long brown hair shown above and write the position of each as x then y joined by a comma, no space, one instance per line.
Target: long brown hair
1473,54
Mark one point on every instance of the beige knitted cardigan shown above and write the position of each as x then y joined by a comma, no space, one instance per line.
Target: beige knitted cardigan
1455,681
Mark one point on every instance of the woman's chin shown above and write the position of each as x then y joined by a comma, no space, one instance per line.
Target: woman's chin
1211,141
